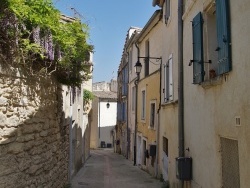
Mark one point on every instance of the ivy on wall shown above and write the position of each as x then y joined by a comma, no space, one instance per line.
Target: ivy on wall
37,38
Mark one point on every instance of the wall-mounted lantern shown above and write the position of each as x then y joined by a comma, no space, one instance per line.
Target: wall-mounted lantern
108,105
138,67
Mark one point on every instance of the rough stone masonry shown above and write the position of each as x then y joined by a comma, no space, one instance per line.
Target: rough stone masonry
33,138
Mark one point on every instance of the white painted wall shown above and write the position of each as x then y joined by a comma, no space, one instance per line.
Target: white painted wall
107,115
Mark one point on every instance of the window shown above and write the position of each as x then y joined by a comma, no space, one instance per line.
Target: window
167,11
168,80
215,63
152,115
124,111
133,98
125,81
143,107
130,57
165,145
146,62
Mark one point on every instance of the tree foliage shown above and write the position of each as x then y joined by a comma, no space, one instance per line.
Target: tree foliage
65,57
87,95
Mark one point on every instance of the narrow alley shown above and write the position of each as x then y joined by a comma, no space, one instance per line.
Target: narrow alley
106,169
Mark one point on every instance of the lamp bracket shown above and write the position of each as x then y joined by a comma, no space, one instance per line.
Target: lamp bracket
157,58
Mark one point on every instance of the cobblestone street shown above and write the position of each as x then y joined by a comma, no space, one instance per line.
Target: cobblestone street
110,170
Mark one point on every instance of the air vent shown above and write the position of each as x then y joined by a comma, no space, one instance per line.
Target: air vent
237,121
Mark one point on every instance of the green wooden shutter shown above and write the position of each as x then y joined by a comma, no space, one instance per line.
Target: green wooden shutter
198,63
223,36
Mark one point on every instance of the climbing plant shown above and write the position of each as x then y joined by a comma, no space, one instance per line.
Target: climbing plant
37,38
87,96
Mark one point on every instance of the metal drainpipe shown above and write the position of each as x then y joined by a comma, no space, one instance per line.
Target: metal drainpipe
180,83
127,117
136,98
158,127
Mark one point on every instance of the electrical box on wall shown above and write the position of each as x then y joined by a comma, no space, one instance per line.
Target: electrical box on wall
152,150
184,168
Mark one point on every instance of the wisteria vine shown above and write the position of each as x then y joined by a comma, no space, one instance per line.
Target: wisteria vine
35,36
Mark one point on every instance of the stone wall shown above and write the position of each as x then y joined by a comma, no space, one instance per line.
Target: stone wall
33,139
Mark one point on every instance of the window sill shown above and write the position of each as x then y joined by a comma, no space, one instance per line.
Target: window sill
212,82
151,128
169,103
143,121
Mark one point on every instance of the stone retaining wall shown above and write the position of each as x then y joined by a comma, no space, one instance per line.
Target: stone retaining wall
33,140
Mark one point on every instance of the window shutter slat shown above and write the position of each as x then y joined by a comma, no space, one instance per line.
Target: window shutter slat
223,36
198,63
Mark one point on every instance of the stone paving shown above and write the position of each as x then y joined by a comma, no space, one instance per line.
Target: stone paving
106,169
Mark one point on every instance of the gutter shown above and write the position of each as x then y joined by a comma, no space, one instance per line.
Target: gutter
127,112
180,84
158,127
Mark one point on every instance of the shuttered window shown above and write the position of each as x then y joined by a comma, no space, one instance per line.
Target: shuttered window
165,91
130,57
143,107
168,80
198,62
223,36
146,68
152,115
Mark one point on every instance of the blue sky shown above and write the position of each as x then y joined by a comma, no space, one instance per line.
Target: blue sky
109,21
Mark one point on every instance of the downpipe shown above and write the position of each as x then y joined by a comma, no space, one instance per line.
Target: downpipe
180,84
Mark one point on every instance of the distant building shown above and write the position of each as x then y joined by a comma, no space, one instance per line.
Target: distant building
105,86
104,109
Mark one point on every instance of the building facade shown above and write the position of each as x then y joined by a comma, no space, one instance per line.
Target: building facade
216,94
131,50
168,110
202,99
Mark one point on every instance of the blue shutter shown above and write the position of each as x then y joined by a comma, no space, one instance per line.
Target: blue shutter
223,36
198,63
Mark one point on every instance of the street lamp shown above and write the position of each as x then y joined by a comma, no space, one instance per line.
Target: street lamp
138,67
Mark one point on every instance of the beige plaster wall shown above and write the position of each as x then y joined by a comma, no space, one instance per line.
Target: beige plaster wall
94,133
169,111
151,86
